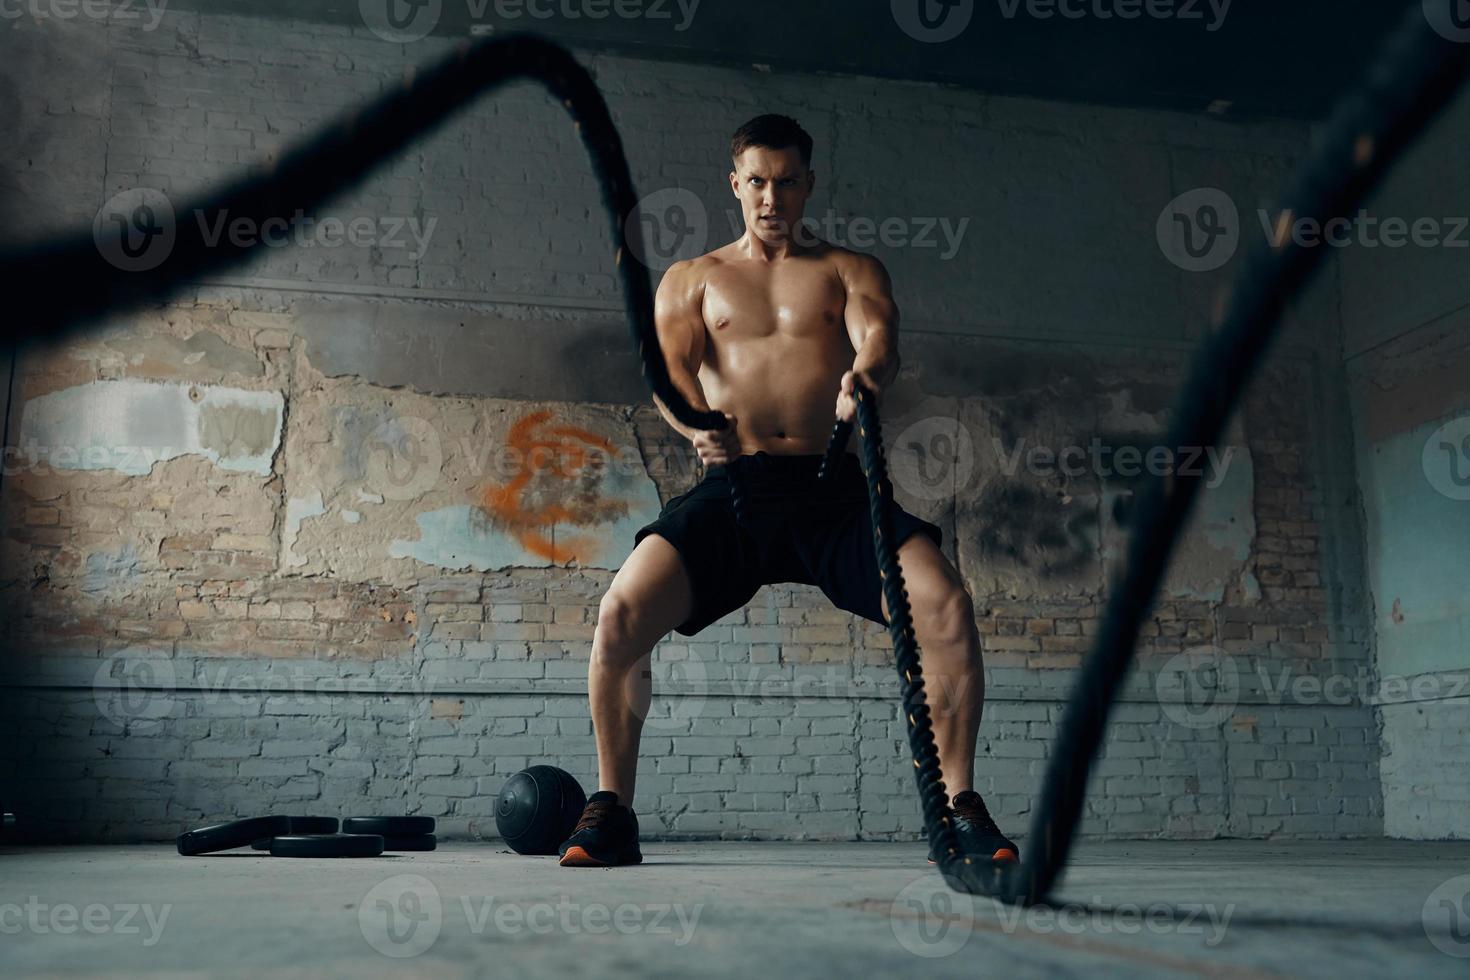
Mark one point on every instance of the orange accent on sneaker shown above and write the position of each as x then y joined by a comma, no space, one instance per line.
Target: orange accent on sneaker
576,857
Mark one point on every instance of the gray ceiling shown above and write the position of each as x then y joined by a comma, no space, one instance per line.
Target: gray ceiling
1264,57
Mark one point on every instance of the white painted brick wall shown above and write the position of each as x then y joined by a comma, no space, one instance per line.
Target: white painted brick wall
1426,764
828,768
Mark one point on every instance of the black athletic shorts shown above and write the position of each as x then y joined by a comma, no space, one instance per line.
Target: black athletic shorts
796,530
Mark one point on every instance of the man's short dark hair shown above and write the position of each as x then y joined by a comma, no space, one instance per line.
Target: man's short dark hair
772,132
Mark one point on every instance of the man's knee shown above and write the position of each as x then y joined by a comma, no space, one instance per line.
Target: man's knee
946,617
618,626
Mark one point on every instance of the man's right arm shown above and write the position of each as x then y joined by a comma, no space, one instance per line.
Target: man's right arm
680,326
679,321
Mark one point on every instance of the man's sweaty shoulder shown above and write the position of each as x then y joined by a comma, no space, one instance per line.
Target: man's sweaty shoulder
686,275
857,269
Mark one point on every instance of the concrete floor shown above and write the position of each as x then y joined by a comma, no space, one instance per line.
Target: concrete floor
1211,909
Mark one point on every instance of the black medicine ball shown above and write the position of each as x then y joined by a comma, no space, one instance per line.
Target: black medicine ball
537,809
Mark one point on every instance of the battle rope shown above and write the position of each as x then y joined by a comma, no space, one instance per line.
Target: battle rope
52,286
57,285
1414,77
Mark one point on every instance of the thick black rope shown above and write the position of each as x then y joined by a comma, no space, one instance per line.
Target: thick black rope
964,872
52,286
1413,78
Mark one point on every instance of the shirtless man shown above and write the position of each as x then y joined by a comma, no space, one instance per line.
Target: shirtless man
765,331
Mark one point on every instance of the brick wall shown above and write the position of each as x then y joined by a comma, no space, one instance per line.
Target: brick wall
202,640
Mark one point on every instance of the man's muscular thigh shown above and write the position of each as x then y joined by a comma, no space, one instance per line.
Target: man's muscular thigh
937,596
650,595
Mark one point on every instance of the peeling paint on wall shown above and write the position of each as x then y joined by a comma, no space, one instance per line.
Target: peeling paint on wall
567,490
298,509
1417,541
128,426
459,538
106,569
1411,408
202,356
570,501
459,483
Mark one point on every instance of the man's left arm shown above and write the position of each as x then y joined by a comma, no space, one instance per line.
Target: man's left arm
872,326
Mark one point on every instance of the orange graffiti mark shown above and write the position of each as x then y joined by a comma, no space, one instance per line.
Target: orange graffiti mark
558,483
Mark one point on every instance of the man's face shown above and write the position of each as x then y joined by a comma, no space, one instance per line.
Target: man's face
773,187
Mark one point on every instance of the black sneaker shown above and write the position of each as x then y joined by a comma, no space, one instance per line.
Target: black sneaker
978,834
606,835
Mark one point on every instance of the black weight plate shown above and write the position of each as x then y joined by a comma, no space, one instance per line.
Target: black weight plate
232,833
326,845
417,842
313,825
389,826
301,825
